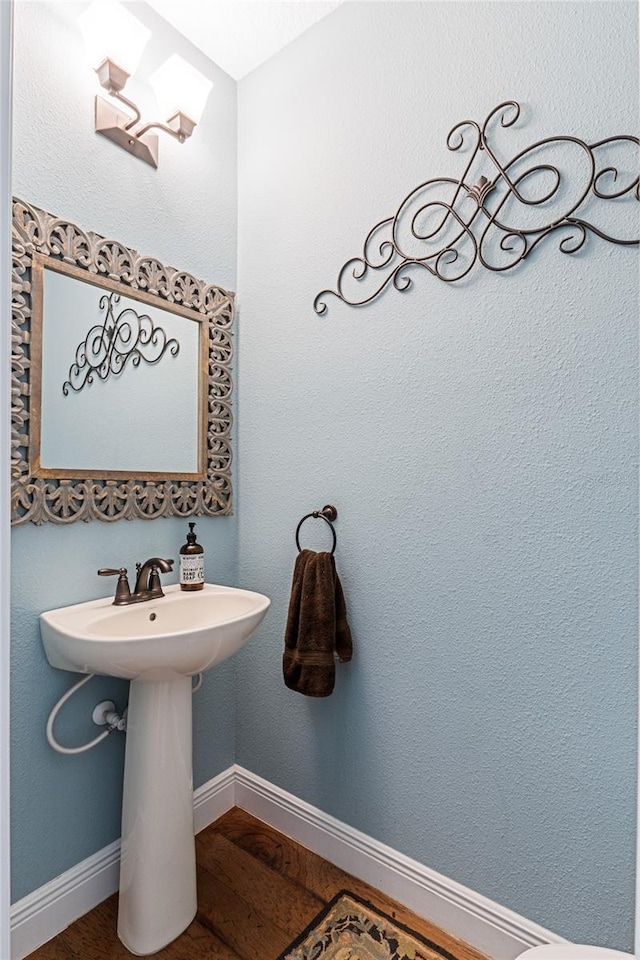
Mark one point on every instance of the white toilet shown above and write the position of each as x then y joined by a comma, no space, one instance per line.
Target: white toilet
572,951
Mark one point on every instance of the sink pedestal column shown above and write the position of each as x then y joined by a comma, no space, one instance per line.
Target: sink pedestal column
157,867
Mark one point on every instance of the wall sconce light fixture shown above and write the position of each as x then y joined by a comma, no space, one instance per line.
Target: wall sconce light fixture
115,42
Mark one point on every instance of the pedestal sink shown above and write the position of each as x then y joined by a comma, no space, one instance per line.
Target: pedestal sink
158,645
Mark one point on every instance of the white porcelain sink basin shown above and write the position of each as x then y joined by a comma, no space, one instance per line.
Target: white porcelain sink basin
180,634
158,645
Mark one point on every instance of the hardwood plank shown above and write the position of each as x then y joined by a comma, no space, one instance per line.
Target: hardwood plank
289,905
238,924
323,878
56,949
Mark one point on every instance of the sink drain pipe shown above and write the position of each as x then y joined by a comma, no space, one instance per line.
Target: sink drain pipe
102,714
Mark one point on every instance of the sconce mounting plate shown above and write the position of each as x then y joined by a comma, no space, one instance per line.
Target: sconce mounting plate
112,124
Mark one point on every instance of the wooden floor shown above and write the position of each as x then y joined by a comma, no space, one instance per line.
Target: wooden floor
257,890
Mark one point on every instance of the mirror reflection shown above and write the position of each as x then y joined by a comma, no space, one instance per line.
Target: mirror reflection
118,376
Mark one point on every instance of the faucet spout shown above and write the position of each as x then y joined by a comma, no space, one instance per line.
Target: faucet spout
148,579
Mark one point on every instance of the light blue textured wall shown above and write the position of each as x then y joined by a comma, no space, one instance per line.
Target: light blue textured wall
65,808
480,442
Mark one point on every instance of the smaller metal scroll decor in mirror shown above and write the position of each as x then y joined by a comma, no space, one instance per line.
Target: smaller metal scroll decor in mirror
121,380
122,336
498,211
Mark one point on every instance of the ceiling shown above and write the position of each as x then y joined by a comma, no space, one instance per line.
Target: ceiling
240,36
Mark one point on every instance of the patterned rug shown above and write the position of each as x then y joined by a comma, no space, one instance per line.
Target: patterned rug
351,929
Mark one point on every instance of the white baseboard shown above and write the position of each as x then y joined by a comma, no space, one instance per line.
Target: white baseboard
486,925
214,798
44,913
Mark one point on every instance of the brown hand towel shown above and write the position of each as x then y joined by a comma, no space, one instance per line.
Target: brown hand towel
316,626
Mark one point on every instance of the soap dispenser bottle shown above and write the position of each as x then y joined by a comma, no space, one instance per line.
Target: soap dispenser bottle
191,563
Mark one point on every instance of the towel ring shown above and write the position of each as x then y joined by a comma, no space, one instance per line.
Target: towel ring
328,514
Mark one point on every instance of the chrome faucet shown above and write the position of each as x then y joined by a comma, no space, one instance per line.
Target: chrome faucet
148,586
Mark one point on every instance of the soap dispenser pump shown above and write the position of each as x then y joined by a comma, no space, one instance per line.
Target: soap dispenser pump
191,563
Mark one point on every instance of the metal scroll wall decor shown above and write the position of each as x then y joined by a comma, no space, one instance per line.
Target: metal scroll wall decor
107,348
495,214
38,494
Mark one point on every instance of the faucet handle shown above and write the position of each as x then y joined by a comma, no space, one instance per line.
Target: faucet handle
123,591
155,587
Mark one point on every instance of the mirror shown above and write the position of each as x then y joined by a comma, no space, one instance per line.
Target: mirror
121,380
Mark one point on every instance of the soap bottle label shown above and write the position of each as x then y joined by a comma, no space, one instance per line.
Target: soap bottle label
192,568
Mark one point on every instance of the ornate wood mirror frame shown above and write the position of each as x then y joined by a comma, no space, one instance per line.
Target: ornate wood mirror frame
39,241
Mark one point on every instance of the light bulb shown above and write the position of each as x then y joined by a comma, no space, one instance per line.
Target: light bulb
112,32
180,88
